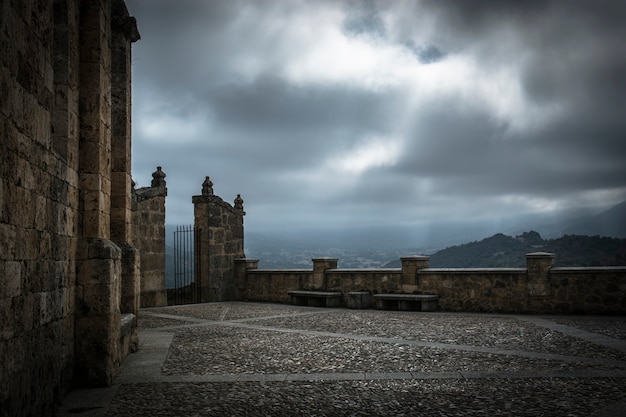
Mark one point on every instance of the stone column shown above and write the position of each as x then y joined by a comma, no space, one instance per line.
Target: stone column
538,266
410,266
318,278
221,234
242,265
123,34
148,233
97,320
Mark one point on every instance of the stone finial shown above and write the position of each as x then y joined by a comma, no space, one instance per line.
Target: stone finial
207,187
239,202
158,178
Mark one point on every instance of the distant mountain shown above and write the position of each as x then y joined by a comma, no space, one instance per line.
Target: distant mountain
500,251
609,223
374,247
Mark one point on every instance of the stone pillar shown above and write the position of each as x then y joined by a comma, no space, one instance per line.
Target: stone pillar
98,262
221,232
242,265
95,119
318,278
410,266
538,266
148,233
123,34
97,321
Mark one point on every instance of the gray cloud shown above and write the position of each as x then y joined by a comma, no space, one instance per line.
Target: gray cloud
382,113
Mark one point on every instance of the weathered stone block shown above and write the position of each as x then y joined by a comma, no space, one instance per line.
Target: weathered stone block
12,284
6,317
99,300
103,249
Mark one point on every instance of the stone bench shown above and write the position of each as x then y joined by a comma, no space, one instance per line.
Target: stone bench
358,299
406,302
315,298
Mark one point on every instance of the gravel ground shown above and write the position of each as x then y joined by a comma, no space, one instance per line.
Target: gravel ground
224,350
152,322
233,359
536,397
231,311
614,327
474,330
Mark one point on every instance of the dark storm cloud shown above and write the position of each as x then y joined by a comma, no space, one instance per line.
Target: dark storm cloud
571,56
347,110
470,154
270,103
570,50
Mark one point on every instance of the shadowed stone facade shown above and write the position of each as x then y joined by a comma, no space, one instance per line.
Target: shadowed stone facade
69,270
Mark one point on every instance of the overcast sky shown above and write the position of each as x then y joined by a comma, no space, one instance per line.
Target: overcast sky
332,114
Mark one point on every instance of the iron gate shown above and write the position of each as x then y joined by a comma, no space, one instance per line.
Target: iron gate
187,266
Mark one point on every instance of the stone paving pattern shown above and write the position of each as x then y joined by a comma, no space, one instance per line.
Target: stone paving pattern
249,359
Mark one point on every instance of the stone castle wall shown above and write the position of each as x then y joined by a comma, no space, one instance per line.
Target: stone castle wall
65,252
148,235
539,288
220,230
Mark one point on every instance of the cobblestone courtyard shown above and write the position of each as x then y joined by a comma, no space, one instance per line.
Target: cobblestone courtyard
249,359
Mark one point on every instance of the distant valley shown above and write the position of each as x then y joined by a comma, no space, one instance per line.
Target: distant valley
590,240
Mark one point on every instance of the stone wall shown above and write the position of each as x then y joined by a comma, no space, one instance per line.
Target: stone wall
220,229
64,254
587,290
539,288
38,206
148,235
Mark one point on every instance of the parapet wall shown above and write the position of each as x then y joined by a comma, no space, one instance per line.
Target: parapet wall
538,288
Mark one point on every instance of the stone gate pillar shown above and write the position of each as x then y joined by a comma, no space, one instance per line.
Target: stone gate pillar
149,237
220,230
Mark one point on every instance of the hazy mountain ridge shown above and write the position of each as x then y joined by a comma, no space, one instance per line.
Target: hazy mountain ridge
603,245
283,254
610,223
500,251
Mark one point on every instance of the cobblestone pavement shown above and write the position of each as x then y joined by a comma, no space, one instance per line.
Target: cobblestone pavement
249,359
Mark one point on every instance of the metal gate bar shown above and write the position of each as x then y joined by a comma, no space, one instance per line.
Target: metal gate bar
187,266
